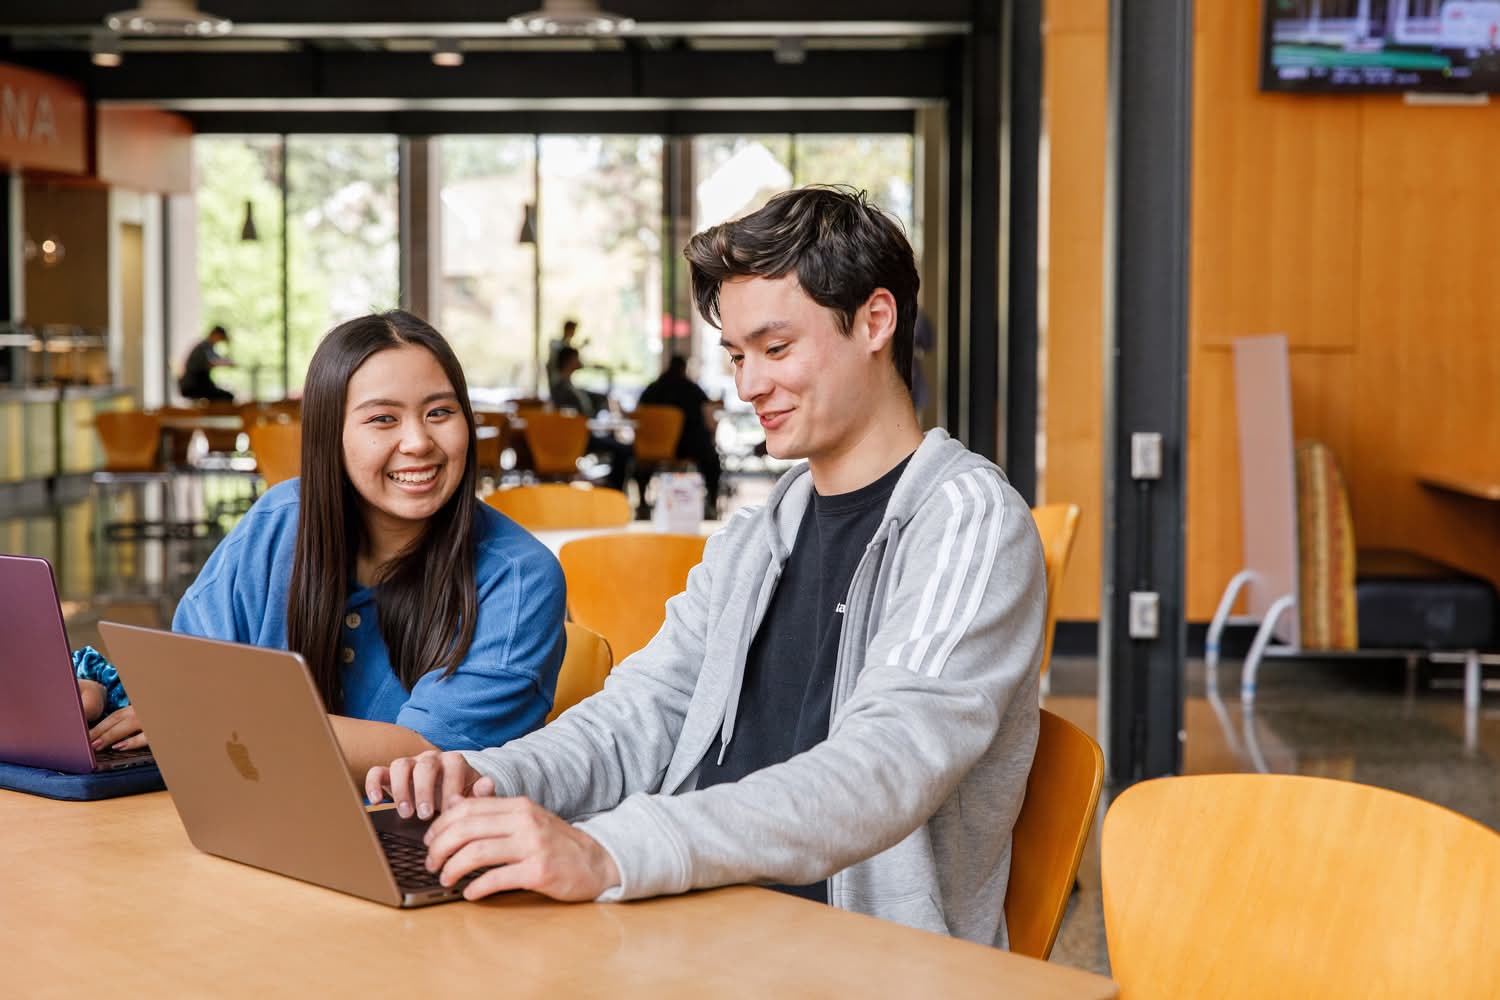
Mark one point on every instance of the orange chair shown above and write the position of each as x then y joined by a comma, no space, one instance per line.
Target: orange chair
559,506
1257,885
131,440
619,584
489,447
1057,523
278,451
584,667
1047,844
657,430
557,442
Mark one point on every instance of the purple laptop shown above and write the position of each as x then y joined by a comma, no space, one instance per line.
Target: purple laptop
41,714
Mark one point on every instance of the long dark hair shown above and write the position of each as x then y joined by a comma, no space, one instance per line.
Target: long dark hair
841,246
425,598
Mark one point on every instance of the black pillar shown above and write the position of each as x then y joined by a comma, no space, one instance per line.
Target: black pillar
983,403
1023,133
1142,638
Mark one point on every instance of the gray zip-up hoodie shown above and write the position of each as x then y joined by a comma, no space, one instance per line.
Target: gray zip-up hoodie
907,808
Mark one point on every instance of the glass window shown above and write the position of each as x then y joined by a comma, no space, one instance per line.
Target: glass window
239,280
485,306
601,233
343,220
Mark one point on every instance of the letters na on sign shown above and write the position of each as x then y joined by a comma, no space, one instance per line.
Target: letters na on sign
43,122
27,117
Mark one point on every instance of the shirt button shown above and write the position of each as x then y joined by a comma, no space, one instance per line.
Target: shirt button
348,655
352,620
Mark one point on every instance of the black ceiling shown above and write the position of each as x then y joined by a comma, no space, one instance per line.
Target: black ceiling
689,65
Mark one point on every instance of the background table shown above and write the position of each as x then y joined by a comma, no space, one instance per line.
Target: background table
109,899
555,540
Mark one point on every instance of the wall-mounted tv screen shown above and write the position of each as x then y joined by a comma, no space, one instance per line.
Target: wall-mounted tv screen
1363,45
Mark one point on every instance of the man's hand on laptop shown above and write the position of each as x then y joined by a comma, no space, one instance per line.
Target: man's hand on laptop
118,731
524,847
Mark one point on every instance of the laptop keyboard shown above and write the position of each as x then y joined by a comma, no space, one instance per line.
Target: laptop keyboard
105,757
408,860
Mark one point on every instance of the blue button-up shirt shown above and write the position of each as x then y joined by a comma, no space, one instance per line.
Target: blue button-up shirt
503,688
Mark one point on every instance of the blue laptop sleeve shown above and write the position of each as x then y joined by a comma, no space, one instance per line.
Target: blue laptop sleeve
80,787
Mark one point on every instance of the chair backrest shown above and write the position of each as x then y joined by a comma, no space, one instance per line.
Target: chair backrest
1047,844
618,584
131,440
558,506
489,447
584,667
1057,523
657,429
278,451
1254,885
557,441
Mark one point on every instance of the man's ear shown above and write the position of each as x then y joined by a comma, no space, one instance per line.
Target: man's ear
879,314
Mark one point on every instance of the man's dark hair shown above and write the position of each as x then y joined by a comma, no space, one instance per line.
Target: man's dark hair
677,365
219,331
840,245
565,357
569,326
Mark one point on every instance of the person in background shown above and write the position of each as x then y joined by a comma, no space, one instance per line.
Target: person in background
699,413
427,619
842,705
555,348
567,396
197,380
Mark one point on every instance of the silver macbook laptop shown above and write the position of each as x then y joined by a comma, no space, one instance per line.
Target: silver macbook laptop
41,713
254,769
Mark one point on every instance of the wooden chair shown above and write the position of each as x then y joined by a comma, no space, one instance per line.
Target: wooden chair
559,506
131,440
557,441
489,448
1256,885
278,451
584,667
618,584
1057,523
1047,844
657,430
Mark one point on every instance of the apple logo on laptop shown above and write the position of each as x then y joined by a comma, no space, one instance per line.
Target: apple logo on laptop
239,756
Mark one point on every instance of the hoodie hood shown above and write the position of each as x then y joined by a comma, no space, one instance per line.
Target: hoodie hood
938,459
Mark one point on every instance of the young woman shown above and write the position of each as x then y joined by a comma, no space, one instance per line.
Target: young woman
427,619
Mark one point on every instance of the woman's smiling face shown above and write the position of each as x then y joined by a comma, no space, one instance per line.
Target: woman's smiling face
405,440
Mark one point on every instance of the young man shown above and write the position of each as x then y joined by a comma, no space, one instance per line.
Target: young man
843,703
197,380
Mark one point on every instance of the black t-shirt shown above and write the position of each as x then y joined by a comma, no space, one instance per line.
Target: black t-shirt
687,396
200,361
787,694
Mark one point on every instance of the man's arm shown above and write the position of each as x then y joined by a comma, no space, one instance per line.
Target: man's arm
961,636
620,741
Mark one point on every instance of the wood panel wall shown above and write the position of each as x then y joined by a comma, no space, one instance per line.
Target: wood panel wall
1360,227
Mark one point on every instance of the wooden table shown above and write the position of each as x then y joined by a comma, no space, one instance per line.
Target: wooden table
1467,482
556,539
109,898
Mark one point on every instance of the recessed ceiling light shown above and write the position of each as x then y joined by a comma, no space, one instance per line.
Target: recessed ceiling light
104,50
446,52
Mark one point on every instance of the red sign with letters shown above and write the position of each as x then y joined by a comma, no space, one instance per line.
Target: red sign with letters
43,122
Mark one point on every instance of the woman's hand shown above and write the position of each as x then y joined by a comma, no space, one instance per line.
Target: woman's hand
423,785
93,695
118,731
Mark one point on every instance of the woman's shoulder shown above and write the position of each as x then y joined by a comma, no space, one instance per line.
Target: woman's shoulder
503,543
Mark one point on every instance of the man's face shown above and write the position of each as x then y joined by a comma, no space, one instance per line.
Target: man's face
811,385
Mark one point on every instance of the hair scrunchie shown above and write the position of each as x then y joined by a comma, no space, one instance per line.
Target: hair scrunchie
90,665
